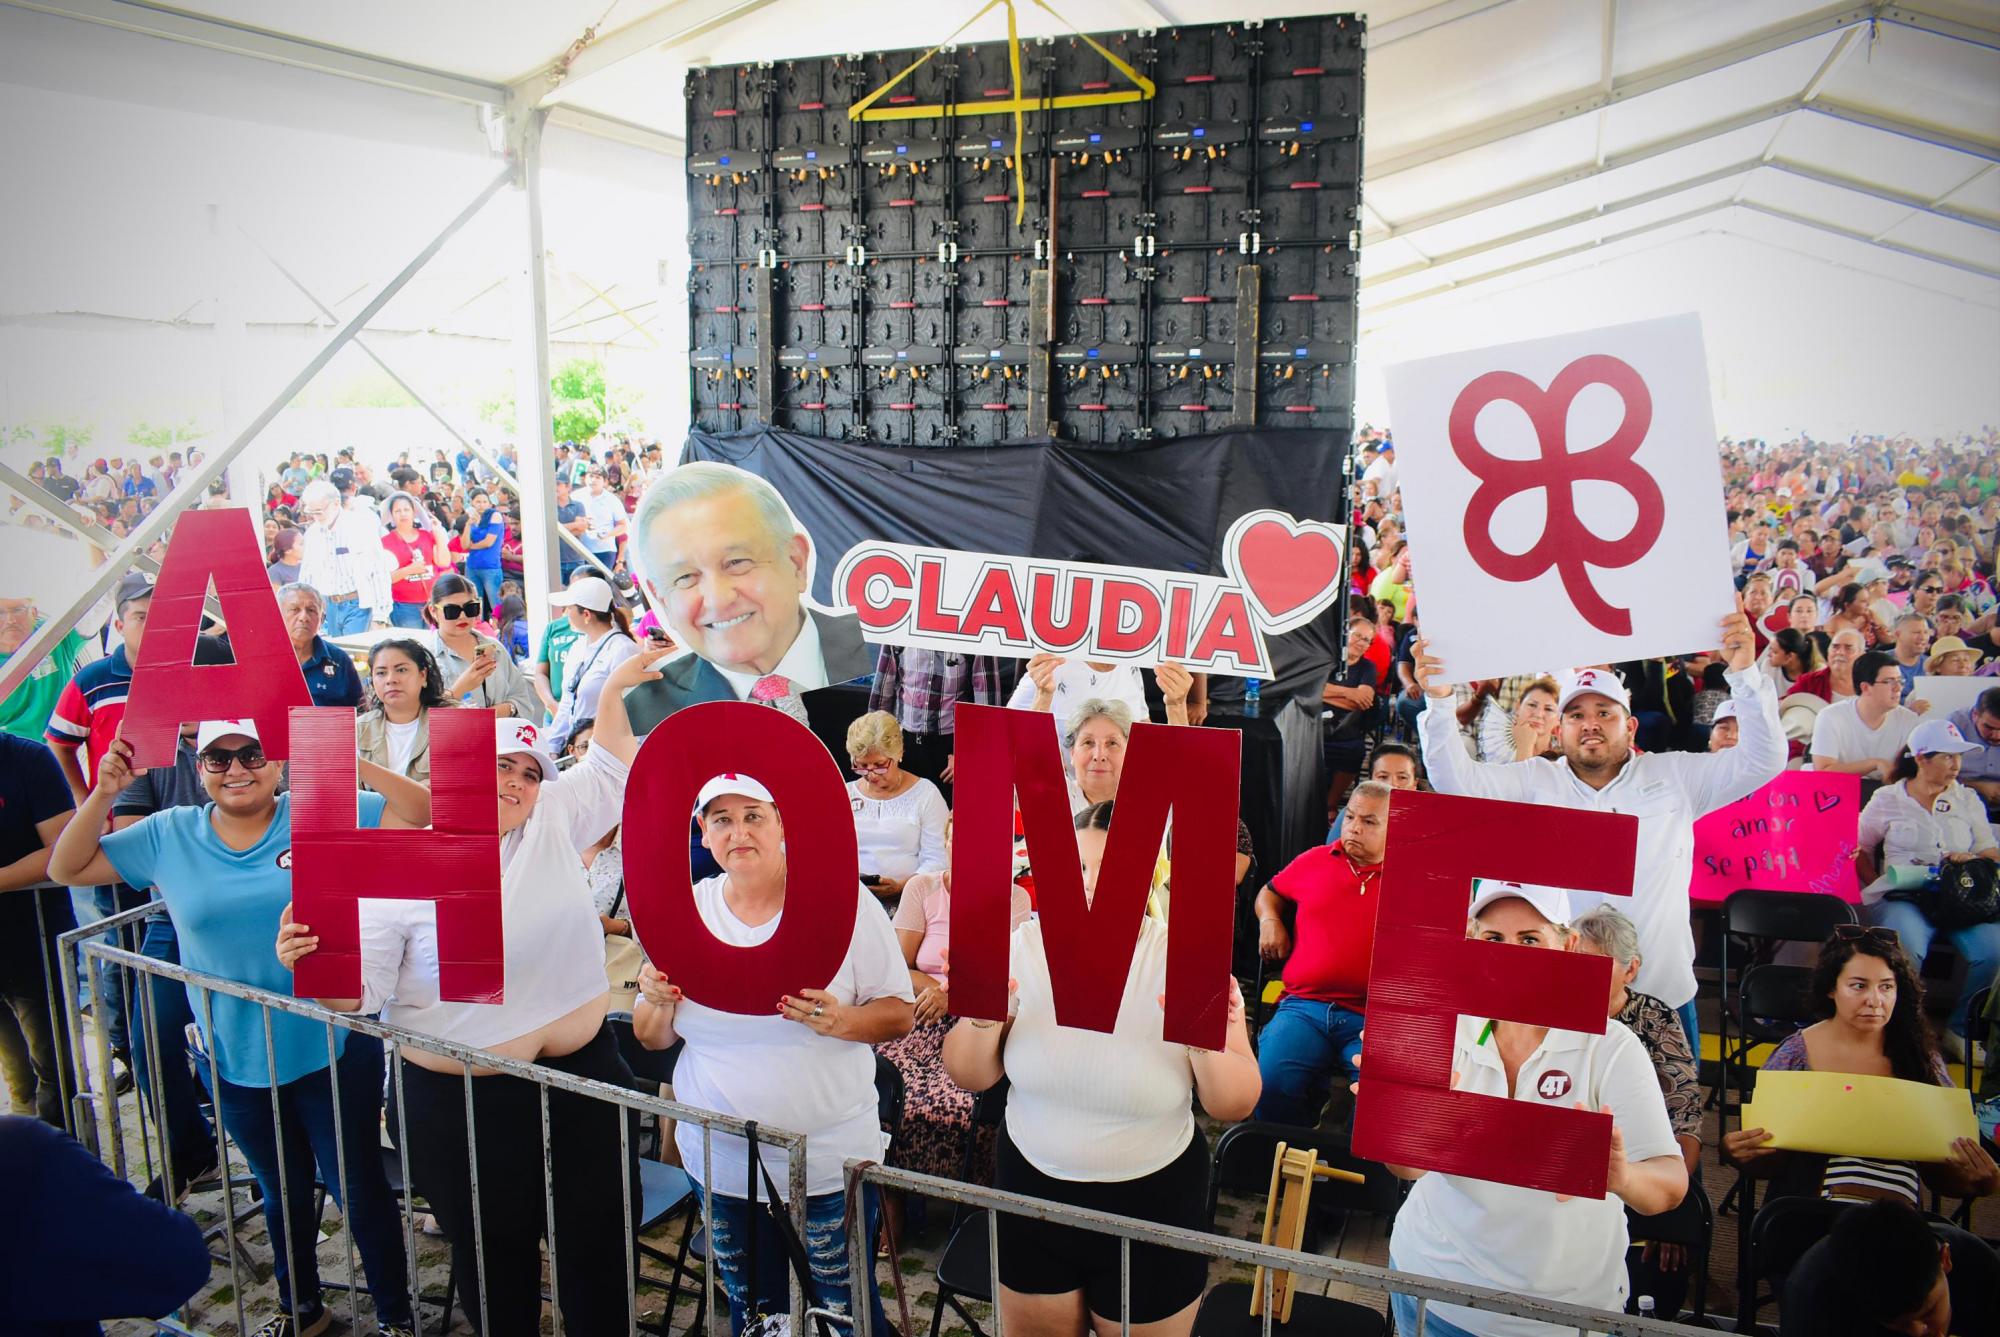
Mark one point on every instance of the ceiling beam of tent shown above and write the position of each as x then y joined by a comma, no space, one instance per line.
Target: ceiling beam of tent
153,20
590,55
534,423
1631,157
1572,106
194,482
1855,234
1596,244
1915,203
472,445
1909,16
1937,203
1377,308
178,25
1746,169
1424,20
1970,145
1578,219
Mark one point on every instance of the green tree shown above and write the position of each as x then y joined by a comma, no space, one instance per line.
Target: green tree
582,400
164,436
63,438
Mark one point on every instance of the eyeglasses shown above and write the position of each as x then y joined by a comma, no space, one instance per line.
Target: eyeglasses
216,760
1930,589
1874,936
452,612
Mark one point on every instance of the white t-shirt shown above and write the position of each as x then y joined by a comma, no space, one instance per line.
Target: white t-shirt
605,513
901,835
1911,835
1382,473
1076,683
1840,732
1090,1107
554,960
1519,1239
402,742
783,1073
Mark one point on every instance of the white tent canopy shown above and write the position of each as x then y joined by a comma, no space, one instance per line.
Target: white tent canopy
1820,181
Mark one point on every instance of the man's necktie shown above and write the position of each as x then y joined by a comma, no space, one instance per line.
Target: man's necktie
775,690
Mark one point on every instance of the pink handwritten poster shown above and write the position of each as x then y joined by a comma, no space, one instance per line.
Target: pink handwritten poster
1797,833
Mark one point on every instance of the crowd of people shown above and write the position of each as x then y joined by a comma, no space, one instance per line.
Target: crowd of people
1864,569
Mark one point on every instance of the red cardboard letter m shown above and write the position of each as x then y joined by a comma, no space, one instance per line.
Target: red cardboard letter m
1426,972
1193,772
456,863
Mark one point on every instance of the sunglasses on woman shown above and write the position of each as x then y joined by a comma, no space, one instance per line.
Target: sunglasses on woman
217,759
1875,937
453,612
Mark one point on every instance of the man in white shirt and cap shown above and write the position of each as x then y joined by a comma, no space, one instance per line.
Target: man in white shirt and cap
344,560
1600,772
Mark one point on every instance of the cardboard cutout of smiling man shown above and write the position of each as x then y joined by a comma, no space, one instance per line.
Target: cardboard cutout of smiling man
729,566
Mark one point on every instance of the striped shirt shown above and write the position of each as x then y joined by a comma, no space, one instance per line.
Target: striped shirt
92,704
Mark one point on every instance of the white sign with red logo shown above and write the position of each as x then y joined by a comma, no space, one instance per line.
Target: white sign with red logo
1564,499
1282,573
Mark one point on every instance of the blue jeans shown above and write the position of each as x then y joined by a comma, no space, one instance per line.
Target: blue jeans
826,1248
1692,1025
1407,711
408,616
306,1115
1297,1052
1979,945
1404,1307
486,579
188,1134
346,618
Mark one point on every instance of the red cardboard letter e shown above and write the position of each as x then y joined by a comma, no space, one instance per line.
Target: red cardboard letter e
1426,972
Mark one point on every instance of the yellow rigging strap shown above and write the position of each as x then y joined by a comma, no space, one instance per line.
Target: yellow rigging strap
1143,88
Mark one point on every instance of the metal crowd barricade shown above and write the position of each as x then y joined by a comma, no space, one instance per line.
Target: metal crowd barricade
98,1121
1425,1290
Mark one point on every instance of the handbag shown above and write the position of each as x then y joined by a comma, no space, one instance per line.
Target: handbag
622,958
1959,895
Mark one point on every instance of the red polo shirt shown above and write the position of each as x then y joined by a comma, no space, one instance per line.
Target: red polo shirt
1333,931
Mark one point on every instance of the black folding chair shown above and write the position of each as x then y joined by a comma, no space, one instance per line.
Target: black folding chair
964,1272
1242,1164
1691,1226
1225,1312
1777,1238
1762,919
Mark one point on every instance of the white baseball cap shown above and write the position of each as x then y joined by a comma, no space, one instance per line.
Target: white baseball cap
1867,573
731,783
1930,737
1725,711
211,730
513,737
592,592
1551,903
1593,682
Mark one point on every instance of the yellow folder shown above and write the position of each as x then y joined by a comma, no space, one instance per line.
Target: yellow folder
1843,1114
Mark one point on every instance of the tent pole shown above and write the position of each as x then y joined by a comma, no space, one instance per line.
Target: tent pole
533,430
194,484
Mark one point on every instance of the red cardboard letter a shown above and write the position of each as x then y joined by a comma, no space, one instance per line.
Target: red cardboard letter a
168,687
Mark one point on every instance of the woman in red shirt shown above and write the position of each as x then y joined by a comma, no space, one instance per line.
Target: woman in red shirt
415,554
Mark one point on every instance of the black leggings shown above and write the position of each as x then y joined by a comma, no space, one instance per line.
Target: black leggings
1042,1258
593,1244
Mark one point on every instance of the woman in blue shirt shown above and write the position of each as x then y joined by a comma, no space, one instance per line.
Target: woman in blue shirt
224,871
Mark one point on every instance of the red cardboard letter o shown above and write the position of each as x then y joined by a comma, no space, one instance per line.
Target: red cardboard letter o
822,867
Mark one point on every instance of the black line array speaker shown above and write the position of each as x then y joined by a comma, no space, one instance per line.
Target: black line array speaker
1183,264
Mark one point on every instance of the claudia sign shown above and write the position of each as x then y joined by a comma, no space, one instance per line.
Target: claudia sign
1282,573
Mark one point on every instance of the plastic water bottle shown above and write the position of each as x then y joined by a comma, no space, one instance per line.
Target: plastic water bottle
1645,1306
1253,689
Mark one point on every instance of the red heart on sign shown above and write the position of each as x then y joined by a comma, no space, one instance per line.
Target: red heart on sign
1288,567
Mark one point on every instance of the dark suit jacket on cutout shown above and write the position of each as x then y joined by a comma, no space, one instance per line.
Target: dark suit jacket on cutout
690,680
